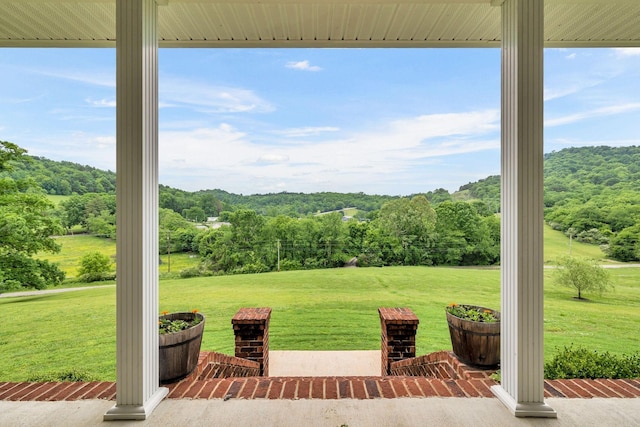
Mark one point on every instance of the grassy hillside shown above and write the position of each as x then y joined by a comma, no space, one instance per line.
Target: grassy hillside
74,247
557,245
56,200
312,310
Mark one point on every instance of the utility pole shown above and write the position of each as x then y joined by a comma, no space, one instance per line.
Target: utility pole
168,251
278,254
572,232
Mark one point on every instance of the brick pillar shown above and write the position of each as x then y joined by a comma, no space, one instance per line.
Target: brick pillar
251,328
399,327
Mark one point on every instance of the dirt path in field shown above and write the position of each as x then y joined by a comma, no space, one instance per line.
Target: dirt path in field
50,291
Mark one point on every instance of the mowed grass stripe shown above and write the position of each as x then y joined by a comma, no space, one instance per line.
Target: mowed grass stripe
312,310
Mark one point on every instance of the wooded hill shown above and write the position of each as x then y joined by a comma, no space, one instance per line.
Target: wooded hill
573,176
591,193
64,178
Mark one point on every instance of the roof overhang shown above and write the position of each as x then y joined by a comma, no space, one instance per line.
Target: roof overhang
317,23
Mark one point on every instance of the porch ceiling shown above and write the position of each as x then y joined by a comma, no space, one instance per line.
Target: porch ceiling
317,23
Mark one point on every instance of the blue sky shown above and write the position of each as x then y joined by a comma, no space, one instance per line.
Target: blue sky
380,121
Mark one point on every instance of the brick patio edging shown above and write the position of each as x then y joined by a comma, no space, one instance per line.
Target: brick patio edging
318,388
289,388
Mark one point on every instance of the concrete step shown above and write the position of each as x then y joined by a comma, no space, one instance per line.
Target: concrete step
365,363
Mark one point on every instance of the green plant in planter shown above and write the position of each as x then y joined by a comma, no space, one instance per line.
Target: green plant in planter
475,334
166,326
179,340
473,313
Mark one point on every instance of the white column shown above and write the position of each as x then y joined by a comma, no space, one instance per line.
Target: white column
522,358
138,391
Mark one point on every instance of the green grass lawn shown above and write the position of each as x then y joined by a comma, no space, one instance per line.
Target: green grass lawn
350,211
74,247
312,310
179,261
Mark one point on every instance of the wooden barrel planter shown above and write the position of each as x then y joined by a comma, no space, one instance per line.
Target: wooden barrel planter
475,343
179,351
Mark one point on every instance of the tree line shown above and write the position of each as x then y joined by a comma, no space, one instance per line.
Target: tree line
591,194
403,232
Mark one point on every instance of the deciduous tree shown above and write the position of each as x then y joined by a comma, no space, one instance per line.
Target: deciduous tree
95,266
26,228
583,275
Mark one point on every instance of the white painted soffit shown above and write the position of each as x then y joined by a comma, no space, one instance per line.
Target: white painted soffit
317,23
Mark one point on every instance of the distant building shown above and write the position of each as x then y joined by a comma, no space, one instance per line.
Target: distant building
217,224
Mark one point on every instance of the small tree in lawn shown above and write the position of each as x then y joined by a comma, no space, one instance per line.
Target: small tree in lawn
584,275
95,266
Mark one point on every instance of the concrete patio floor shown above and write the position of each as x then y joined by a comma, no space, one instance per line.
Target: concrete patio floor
366,363
354,413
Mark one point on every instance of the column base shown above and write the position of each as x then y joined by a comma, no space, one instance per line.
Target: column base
135,412
525,409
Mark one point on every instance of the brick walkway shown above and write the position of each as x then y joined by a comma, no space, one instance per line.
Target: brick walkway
318,388
203,384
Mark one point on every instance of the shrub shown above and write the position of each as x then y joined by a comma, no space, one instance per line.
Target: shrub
312,263
584,363
290,264
370,260
251,268
95,266
592,236
555,226
190,272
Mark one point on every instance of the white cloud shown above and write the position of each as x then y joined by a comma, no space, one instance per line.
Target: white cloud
218,149
569,87
381,160
272,159
225,157
627,51
207,98
16,100
91,77
598,112
79,147
103,141
166,125
303,65
572,56
305,132
82,115
438,125
102,102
